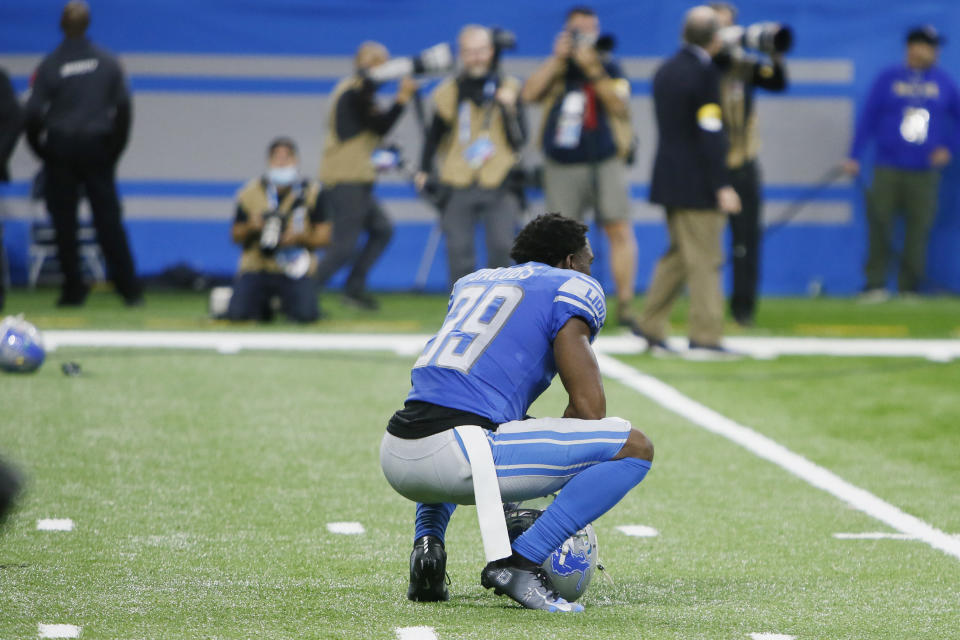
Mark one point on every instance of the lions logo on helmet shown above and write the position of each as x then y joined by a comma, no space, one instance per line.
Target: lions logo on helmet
21,347
570,567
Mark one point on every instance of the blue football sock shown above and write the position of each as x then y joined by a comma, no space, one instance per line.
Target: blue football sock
432,519
586,497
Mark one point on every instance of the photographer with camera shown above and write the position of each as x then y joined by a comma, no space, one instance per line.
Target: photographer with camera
741,73
586,137
478,128
279,223
355,128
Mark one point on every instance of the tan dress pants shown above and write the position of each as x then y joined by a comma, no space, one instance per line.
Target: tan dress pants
694,259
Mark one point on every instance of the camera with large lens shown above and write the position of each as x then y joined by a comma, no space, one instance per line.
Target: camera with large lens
765,37
436,59
273,223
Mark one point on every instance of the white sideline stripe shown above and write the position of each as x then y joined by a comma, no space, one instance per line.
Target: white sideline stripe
763,447
410,344
771,636
874,535
58,630
346,528
55,524
638,530
416,633
764,348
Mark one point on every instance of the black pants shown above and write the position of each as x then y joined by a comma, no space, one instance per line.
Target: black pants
252,293
746,228
354,210
3,269
72,162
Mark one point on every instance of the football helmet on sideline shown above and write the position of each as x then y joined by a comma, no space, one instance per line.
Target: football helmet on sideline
21,346
572,565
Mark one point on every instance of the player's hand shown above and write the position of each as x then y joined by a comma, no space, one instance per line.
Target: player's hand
420,180
507,97
940,157
728,201
850,167
408,86
563,45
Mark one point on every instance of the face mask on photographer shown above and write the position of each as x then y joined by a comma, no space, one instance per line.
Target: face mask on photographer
283,176
282,169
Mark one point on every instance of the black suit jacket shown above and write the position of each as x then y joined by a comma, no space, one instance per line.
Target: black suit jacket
691,151
11,123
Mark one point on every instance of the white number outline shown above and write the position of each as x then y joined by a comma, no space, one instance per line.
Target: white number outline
466,311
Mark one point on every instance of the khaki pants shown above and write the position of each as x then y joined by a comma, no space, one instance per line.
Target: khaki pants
572,189
694,258
914,194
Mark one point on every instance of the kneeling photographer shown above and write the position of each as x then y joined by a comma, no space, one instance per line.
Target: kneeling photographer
478,129
741,73
279,223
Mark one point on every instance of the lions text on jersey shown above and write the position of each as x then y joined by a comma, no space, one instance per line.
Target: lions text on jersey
493,356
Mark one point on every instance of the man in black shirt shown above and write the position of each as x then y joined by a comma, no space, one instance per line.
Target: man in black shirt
11,123
740,75
355,128
78,123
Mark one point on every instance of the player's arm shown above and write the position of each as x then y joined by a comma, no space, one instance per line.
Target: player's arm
579,371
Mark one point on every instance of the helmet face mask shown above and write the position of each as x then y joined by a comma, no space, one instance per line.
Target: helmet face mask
572,565
21,346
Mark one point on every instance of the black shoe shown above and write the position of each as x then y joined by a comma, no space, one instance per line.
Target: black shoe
73,297
656,348
428,571
526,583
361,300
705,352
134,301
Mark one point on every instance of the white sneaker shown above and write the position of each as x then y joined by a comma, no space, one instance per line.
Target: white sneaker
873,296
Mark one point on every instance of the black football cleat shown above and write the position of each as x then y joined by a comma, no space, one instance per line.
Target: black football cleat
428,571
526,583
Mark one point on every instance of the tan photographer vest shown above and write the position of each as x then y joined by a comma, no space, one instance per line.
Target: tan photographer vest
347,160
454,168
252,198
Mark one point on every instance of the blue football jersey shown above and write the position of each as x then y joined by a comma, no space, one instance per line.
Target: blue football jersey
493,356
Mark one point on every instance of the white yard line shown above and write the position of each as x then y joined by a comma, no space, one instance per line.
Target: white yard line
55,524
408,344
416,633
346,528
771,636
58,631
763,447
873,535
638,530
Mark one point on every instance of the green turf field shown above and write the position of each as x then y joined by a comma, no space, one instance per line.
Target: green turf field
201,486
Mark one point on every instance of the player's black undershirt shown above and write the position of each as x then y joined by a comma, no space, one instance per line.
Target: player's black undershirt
421,419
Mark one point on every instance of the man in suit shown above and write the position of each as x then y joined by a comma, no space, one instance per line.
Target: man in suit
691,181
